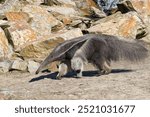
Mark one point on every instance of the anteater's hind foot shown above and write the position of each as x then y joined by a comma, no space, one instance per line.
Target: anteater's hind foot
103,67
106,68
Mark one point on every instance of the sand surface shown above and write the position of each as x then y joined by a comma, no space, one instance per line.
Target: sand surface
127,81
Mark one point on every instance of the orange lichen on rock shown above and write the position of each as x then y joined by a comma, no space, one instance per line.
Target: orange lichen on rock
17,16
127,27
91,3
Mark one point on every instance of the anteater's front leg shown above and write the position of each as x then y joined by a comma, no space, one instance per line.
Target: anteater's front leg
63,68
102,64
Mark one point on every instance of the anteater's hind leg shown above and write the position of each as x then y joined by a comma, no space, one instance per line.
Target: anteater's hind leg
102,64
106,69
63,68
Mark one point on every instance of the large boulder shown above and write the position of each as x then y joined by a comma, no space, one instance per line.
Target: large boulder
29,25
143,9
41,20
19,65
127,25
20,33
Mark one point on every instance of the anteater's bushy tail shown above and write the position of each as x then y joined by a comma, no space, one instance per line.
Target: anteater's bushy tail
120,49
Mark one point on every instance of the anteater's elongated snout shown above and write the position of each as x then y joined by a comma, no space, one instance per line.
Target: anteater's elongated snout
47,61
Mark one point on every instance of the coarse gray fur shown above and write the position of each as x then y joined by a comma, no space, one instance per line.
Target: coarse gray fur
97,49
101,50
112,48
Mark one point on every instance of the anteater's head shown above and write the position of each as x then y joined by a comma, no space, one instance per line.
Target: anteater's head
77,64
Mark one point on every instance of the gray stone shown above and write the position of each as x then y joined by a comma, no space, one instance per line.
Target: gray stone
128,25
19,65
5,66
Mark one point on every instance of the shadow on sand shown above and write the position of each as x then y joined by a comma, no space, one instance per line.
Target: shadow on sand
72,74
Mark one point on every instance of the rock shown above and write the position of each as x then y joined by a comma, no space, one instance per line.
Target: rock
127,25
5,66
7,6
39,49
86,7
63,13
59,2
4,23
41,21
66,20
147,38
142,7
16,5
19,65
17,16
97,13
63,10
79,24
20,33
125,6
4,46
32,66
69,16
34,2
69,34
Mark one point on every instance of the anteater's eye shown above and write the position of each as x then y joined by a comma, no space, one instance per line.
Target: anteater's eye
78,71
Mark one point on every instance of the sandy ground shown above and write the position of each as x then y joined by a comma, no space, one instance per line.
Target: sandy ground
127,81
